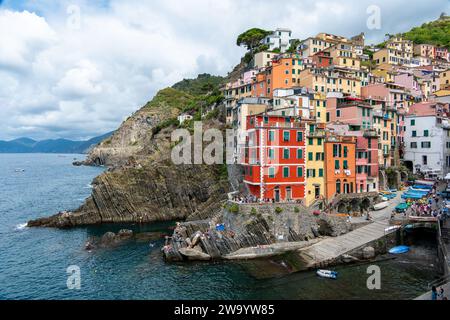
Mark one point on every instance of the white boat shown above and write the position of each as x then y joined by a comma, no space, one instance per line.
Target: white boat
381,206
327,274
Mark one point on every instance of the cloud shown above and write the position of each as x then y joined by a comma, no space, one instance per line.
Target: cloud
79,73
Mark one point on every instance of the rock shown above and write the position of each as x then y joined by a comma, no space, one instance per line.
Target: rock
194,255
89,246
348,258
78,163
149,236
369,253
108,238
125,234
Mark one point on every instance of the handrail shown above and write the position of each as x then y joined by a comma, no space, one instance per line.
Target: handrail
439,282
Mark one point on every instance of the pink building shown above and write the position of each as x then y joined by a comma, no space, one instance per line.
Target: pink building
441,53
392,94
352,111
409,82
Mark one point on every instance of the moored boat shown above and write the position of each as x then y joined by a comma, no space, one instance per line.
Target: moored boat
327,274
381,206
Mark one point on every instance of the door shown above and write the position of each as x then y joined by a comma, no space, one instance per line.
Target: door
277,195
288,193
317,192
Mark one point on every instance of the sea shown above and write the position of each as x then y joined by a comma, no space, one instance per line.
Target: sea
38,264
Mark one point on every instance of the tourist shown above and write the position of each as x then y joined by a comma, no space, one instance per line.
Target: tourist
434,293
441,294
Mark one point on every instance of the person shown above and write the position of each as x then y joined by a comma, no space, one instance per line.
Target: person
441,294
434,293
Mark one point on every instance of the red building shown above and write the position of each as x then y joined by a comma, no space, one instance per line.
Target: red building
322,59
275,157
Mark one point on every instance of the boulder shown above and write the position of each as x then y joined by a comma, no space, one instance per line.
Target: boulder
125,234
108,239
369,253
194,255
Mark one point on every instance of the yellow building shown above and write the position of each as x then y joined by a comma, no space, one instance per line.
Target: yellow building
444,80
392,56
324,81
263,59
319,105
344,55
386,72
315,164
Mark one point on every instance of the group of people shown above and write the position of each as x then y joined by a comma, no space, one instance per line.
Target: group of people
438,295
432,207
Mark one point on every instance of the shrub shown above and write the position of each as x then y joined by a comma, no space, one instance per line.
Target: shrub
296,210
234,208
253,212
278,210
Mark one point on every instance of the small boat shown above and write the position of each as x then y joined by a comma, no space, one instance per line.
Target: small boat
19,170
327,274
381,206
399,250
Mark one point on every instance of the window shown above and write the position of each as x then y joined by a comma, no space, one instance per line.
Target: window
426,133
310,141
338,113
310,156
286,172
299,154
426,145
266,120
319,141
425,160
271,172
271,154
413,122
299,136
318,156
320,173
338,186
345,152
286,136
345,166
336,165
286,153
299,172
413,145
414,134
271,136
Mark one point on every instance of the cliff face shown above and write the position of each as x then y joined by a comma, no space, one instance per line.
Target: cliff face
142,184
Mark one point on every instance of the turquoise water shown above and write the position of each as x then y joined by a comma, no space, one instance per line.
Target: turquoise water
33,262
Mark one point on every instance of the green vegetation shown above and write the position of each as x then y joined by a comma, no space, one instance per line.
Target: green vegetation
278,210
435,32
234,208
251,38
170,98
294,44
202,85
296,210
253,212
165,124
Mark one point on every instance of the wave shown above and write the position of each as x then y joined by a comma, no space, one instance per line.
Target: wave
89,186
21,226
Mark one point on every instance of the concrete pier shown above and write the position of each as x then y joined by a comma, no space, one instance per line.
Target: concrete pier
330,250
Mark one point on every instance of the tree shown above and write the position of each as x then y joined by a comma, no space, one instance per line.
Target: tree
252,38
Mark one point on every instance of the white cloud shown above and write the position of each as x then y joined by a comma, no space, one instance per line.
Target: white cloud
58,81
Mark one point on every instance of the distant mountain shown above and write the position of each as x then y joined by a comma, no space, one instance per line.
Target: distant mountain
27,145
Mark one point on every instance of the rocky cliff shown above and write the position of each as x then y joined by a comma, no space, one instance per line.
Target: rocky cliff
142,184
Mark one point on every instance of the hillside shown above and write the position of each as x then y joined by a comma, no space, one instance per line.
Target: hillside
435,32
27,145
142,184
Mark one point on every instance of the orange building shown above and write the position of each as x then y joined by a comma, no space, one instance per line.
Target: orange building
340,165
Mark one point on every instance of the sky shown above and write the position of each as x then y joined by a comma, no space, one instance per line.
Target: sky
76,69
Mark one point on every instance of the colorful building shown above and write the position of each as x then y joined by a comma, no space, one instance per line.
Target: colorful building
275,157
315,162
340,166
